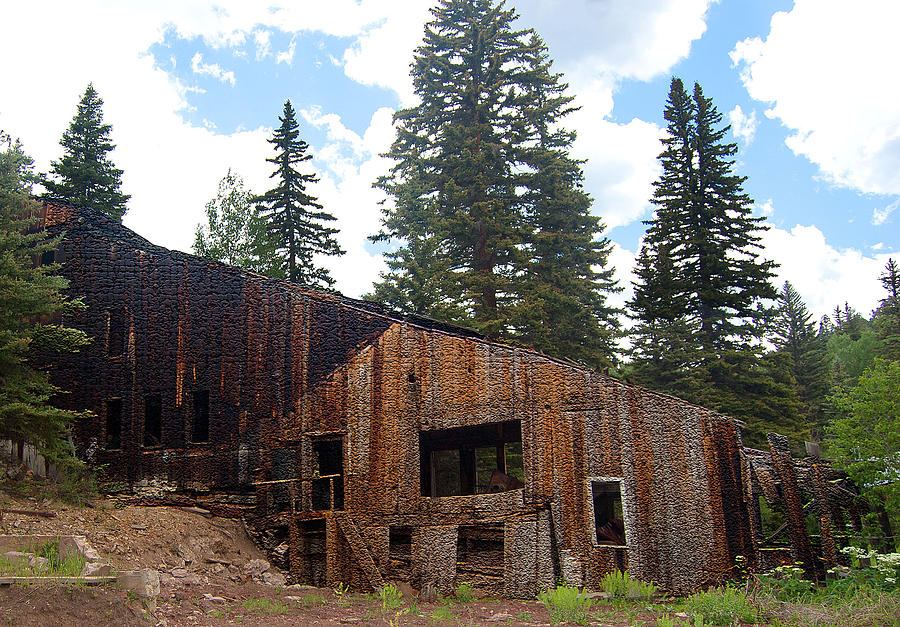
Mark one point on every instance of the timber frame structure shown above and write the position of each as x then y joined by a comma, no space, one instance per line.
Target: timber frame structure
361,445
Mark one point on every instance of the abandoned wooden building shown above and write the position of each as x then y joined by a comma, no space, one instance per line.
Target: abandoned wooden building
364,446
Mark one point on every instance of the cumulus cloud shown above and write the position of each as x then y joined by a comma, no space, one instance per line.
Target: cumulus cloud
743,126
822,70
211,69
824,275
287,56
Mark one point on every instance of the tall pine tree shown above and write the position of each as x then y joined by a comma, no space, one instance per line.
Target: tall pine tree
491,223
294,219
794,333
702,285
85,175
887,316
30,299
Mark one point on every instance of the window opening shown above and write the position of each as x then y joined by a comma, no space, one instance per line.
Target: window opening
116,332
114,423
311,552
400,552
609,521
471,460
48,257
480,554
328,479
200,425
152,420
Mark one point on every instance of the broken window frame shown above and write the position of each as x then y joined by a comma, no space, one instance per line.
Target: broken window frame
592,519
335,481
463,444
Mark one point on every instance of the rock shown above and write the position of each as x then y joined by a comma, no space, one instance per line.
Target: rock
196,510
96,569
256,568
213,599
428,593
144,583
406,590
496,618
181,573
273,579
39,563
598,595
139,527
18,558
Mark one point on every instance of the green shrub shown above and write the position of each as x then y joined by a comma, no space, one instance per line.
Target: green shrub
720,606
566,605
391,597
786,583
463,592
620,585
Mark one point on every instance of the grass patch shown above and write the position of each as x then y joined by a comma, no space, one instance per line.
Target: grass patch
720,606
464,592
390,596
265,606
621,585
54,566
566,605
442,612
308,600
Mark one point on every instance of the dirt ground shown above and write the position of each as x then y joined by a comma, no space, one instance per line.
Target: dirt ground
210,574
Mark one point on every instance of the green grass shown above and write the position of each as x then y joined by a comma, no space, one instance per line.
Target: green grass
720,606
621,585
442,612
463,593
69,566
265,606
566,605
313,599
390,596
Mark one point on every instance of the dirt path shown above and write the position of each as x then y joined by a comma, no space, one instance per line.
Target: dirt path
212,574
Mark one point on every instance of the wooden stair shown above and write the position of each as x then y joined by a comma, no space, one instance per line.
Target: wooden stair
360,550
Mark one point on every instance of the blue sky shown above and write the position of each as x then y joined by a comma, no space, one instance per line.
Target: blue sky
193,88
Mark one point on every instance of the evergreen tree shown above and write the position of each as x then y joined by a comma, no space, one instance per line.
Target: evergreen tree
561,306
795,336
702,287
233,227
887,316
294,220
85,175
489,214
31,304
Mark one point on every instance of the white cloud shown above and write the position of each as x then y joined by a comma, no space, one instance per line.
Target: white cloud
880,216
287,56
766,209
351,162
211,69
262,39
638,39
827,70
825,276
743,126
